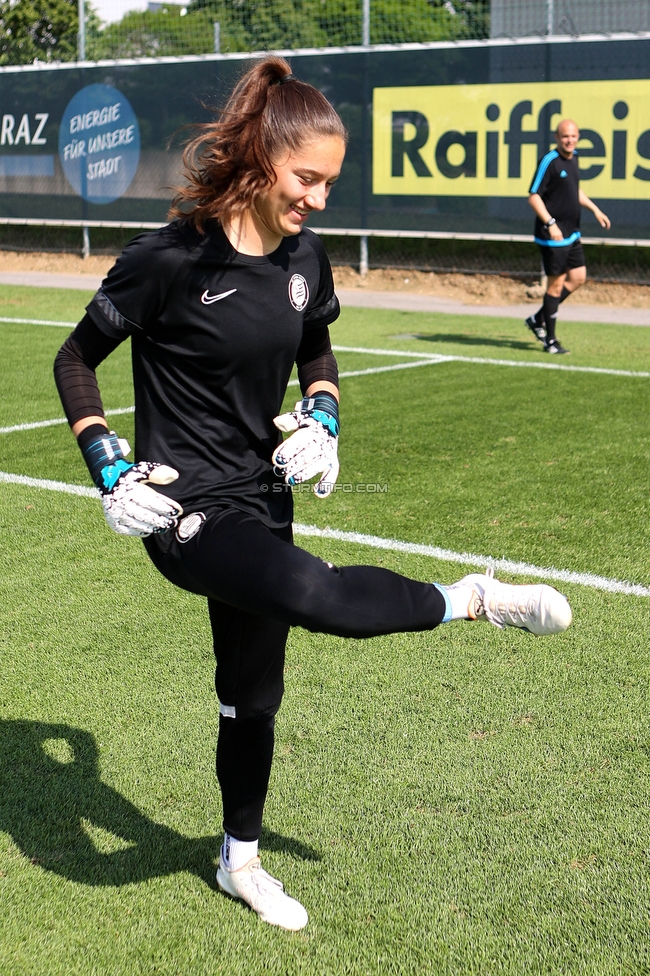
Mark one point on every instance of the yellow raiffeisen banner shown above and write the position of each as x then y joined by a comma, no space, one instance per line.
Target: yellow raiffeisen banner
485,140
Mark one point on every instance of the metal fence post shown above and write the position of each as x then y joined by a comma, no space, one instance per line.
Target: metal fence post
85,247
549,17
217,37
365,27
363,255
81,33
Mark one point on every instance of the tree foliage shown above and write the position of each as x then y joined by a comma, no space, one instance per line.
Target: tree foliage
148,34
38,30
278,24
42,30
46,30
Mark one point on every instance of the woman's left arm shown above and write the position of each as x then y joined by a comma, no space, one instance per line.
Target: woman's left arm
314,424
317,366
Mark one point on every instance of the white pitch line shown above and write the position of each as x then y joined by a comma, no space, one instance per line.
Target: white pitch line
434,357
420,359
377,542
36,424
58,420
470,559
389,352
380,369
554,366
427,360
484,361
23,479
63,325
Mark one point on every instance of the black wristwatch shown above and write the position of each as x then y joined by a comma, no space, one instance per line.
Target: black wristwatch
549,223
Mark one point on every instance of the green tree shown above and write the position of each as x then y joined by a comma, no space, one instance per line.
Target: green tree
474,17
277,24
166,32
415,21
38,30
262,25
41,30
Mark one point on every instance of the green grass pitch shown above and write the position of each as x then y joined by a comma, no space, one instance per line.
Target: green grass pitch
466,801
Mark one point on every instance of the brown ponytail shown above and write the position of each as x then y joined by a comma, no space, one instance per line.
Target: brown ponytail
229,162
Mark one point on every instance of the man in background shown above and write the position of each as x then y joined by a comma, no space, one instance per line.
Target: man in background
556,198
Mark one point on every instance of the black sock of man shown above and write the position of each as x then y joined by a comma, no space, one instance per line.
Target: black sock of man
551,305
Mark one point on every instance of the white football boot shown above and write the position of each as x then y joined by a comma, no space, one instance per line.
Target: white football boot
264,894
537,608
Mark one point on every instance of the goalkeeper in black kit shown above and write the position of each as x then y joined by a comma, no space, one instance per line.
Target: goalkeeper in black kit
219,305
556,198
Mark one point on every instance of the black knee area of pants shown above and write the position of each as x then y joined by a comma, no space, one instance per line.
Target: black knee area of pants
244,756
249,652
258,584
238,562
362,601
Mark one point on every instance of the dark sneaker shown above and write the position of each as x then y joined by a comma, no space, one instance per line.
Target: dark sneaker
538,330
554,347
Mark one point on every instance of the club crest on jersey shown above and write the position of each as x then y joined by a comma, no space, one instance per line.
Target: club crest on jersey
189,526
298,292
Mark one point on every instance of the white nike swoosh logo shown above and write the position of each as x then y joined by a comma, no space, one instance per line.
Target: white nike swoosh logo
209,299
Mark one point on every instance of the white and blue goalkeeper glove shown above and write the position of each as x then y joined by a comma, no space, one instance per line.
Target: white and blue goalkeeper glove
131,507
312,447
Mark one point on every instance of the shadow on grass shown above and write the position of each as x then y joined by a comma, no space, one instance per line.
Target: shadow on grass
466,340
51,807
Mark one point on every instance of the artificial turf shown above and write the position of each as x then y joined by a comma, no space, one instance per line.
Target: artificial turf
466,801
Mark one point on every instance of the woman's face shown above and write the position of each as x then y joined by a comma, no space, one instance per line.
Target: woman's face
303,182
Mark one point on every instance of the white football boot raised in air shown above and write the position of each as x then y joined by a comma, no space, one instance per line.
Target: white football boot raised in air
264,894
538,608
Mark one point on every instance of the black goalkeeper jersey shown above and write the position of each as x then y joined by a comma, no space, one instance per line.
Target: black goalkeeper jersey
215,335
557,180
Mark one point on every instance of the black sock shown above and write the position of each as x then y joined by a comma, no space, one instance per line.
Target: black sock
539,314
551,305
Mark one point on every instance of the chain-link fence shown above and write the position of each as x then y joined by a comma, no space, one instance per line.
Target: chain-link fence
575,18
629,265
225,26
49,30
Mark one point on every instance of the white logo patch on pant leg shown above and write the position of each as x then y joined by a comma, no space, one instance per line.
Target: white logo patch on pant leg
189,526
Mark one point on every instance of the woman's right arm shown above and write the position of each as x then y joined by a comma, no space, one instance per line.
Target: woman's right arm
74,374
131,507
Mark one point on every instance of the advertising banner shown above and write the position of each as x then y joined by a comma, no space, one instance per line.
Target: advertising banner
485,140
443,137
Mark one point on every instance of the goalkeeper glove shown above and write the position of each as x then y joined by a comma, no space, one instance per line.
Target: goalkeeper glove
130,506
312,448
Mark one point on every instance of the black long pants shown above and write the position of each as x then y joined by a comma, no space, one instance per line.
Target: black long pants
258,584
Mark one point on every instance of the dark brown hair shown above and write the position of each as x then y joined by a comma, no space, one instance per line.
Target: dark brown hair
229,162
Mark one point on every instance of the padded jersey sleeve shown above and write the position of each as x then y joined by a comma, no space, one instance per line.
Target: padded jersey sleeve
74,370
323,307
134,291
315,359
